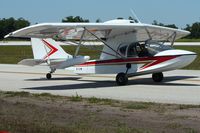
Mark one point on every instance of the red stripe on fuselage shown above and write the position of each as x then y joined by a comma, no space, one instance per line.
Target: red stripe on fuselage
149,61
157,61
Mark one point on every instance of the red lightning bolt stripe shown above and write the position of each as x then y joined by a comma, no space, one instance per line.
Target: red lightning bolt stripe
157,61
148,61
52,49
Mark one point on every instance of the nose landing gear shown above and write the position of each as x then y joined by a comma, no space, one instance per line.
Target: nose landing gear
121,79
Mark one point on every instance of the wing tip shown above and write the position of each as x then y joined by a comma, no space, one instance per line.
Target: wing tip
8,35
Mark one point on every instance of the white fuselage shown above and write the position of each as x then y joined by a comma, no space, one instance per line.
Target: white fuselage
163,61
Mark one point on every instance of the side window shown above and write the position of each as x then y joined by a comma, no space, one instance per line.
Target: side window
122,50
132,52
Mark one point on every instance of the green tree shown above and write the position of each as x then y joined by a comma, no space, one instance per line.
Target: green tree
171,26
188,27
11,24
98,20
195,30
20,23
120,18
74,19
161,24
157,23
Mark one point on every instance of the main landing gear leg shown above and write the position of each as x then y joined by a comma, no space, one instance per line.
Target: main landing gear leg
49,75
157,77
122,78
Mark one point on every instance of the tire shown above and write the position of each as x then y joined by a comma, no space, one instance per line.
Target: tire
157,77
121,79
48,75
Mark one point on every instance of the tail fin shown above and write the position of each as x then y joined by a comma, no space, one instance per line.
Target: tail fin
48,49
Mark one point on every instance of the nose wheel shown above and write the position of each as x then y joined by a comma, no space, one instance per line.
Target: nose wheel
157,77
121,79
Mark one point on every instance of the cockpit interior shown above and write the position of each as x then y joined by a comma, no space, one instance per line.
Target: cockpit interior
142,49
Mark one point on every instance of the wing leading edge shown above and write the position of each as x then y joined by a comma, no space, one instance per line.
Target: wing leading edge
67,31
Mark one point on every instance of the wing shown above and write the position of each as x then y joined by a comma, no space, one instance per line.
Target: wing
102,30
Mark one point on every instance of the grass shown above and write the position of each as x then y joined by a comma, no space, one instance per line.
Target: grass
40,122
188,106
98,101
174,125
76,98
190,130
188,40
14,54
138,105
44,95
102,101
19,94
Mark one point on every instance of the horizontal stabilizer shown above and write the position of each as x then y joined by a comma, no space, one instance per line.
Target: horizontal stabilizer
31,62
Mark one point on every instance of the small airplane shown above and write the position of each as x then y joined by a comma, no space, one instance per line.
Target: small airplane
130,48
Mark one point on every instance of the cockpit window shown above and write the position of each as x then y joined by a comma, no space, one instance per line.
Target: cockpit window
131,50
142,49
128,50
122,50
156,47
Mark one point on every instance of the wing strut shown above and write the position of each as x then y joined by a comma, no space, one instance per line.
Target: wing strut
98,50
104,43
174,38
148,33
79,44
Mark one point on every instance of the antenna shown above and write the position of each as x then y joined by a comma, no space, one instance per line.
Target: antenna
135,16
146,29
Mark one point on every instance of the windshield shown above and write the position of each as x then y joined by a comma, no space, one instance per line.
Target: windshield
142,49
156,47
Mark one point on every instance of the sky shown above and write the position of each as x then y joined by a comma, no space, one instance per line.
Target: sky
179,12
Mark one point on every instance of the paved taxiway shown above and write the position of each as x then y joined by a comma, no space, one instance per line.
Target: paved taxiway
180,86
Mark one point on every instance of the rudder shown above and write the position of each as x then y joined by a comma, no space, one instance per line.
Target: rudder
48,49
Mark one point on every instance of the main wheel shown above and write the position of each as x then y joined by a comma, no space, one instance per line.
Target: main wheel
48,75
121,79
157,77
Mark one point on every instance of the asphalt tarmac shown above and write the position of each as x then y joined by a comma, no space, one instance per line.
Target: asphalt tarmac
179,86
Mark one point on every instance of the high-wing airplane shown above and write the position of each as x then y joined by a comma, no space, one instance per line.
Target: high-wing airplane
130,48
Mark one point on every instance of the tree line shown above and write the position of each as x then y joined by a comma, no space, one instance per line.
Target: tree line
8,25
194,29
11,24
